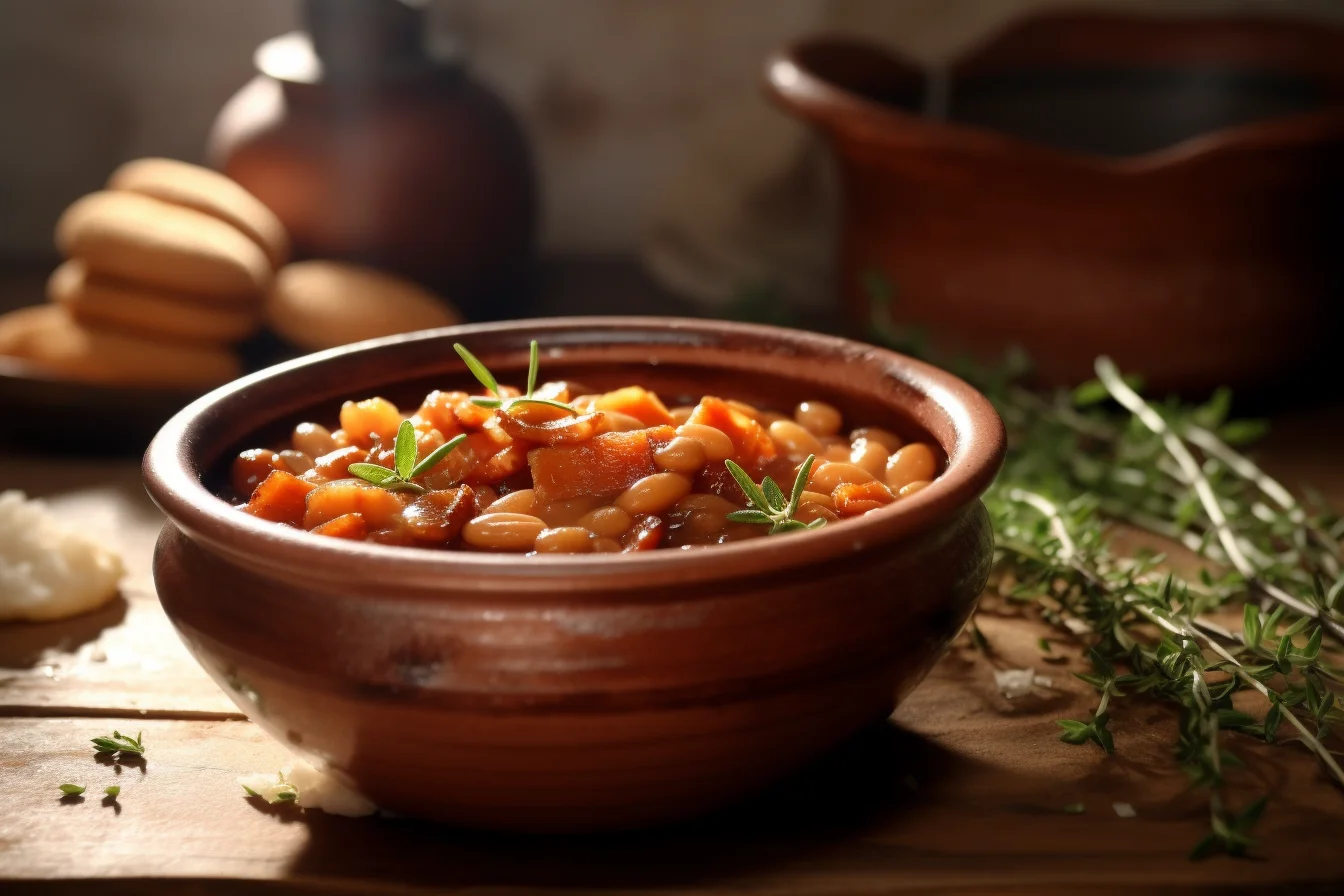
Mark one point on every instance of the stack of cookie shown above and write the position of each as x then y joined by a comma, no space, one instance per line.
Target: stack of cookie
167,269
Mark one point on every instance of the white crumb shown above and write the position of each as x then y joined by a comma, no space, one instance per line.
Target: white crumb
1124,810
1015,683
47,571
309,788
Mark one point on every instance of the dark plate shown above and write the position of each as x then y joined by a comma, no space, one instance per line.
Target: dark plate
45,415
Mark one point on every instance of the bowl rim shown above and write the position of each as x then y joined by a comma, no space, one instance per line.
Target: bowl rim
172,477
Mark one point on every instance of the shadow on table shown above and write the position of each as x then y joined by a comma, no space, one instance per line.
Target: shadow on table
862,783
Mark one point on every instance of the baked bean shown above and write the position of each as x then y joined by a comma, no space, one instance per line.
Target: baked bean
718,446
794,440
810,512
564,540
818,418
912,487
653,494
484,497
615,421
521,501
913,463
603,545
825,477
296,462
816,498
871,455
312,439
372,418
336,464
251,467
503,531
567,512
607,522
886,438
681,413
681,455
838,452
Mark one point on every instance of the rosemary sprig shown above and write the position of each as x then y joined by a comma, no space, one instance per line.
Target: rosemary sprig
487,379
406,469
769,506
120,743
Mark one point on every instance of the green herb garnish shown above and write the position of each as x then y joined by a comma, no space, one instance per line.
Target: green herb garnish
1081,461
114,791
487,379
72,789
769,507
406,469
120,743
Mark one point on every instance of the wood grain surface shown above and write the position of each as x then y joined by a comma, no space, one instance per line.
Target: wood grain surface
962,791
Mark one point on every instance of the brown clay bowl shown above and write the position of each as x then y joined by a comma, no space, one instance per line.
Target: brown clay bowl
1165,190
575,693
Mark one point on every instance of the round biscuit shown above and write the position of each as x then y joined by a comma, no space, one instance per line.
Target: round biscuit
323,304
58,345
144,240
102,302
204,190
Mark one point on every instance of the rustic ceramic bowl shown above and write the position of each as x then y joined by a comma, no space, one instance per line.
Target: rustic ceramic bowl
1165,190
574,693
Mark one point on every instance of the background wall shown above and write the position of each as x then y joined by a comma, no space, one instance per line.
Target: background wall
625,99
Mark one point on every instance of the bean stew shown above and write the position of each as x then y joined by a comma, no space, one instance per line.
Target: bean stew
557,469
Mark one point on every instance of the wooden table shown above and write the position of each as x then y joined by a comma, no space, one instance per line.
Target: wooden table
963,791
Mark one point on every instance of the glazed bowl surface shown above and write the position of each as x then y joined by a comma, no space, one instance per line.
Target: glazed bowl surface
570,693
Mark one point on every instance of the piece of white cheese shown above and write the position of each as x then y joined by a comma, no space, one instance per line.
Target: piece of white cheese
48,572
1015,683
315,789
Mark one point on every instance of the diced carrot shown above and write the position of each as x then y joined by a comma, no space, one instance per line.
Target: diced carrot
606,464
565,430
347,525
645,535
336,464
437,410
752,446
463,461
860,497
660,436
378,506
280,498
638,402
437,517
471,416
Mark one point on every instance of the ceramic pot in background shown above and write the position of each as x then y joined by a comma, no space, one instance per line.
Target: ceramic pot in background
371,151
1163,190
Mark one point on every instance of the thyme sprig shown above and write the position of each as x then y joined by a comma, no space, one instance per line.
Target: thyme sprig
120,743
769,506
1085,462
405,469
487,379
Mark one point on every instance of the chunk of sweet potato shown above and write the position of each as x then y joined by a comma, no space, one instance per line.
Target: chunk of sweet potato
637,402
347,525
436,517
280,498
463,461
855,498
752,446
378,506
606,464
